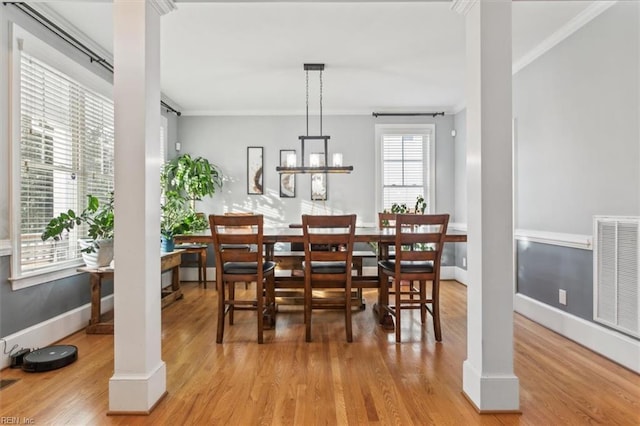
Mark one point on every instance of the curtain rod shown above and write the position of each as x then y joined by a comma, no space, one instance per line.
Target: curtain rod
57,30
406,114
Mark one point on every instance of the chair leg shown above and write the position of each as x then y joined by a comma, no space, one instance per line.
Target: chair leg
271,300
232,297
203,259
221,306
435,308
423,297
259,309
347,310
307,309
398,309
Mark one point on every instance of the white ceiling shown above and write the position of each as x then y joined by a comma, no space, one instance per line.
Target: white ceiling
247,57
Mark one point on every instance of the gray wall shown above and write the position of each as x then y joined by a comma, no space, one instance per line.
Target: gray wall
576,109
577,149
224,141
543,269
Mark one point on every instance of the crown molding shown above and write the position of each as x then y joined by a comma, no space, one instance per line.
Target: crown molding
163,6
463,6
562,33
459,107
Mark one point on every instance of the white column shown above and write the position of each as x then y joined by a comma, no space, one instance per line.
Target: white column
139,378
488,378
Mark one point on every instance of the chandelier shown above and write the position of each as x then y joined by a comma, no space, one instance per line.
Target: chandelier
318,162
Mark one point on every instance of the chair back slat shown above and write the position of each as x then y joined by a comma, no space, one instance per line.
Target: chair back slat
239,256
419,255
235,236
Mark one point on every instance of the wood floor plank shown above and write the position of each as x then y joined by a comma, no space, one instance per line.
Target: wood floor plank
287,381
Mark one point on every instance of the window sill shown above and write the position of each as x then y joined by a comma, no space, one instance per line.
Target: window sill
42,277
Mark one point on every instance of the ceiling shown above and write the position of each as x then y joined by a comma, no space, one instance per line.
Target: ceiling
246,58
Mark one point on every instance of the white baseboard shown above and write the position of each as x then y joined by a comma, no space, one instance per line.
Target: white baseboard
461,275
613,345
190,273
52,330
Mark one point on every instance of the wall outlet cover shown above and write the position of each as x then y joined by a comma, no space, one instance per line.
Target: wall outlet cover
562,297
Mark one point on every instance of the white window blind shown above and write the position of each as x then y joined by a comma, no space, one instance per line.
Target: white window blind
405,158
66,153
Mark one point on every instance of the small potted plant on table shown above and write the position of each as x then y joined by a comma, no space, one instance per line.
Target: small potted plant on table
97,249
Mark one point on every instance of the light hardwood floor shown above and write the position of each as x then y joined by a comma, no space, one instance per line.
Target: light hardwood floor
287,381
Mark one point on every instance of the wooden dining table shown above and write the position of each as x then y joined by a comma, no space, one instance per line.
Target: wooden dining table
294,234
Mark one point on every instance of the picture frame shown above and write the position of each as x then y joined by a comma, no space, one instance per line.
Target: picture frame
287,180
319,187
255,167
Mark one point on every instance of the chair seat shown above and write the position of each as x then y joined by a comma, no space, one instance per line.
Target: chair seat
328,267
243,268
408,266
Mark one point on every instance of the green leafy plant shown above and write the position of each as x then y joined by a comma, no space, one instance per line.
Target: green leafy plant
99,219
174,214
399,208
193,178
421,204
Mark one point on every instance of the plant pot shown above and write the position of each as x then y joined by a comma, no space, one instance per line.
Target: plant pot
167,244
101,257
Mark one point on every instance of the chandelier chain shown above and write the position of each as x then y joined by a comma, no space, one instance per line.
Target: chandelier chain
307,101
321,102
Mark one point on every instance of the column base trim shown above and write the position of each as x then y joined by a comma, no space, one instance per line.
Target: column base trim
137,394
495,393
479,411
138,413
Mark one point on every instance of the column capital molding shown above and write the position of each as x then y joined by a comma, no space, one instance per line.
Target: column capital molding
463,6
163,6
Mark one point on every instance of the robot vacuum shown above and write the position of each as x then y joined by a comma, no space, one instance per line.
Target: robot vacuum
49,358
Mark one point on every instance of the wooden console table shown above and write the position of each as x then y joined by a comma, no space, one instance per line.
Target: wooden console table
168,261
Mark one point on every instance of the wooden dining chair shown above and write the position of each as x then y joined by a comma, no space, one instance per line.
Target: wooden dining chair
419,241
328,268
234,266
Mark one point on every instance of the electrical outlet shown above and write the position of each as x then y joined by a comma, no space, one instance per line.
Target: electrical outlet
464,262
562,297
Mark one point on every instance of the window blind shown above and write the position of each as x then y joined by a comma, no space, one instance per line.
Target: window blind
66,153
404,175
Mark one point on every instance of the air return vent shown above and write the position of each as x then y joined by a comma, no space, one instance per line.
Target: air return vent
616,287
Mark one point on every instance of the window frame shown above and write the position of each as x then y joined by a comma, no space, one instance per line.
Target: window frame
429,158
23,40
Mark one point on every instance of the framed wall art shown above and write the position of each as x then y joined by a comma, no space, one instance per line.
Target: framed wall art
319,187
287,181
255,163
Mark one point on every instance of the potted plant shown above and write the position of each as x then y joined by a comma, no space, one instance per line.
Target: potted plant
176,218
194,178
97,250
